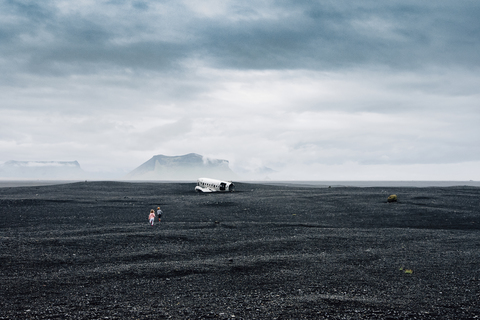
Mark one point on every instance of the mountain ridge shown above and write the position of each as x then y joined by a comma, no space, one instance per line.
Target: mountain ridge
185,167
61,170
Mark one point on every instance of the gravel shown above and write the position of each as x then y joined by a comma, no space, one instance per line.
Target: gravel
86,251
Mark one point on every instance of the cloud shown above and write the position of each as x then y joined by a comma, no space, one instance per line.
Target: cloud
280,84
57,37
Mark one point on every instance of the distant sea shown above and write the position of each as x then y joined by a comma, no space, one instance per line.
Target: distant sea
311,184
32,183
365,184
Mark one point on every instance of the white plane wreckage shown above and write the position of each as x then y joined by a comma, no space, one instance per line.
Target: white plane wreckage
213,185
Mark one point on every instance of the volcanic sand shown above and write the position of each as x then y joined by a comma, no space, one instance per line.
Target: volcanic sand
86,251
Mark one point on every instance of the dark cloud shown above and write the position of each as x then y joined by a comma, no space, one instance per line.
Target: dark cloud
140,5
311,35
322,35
36,12
41,39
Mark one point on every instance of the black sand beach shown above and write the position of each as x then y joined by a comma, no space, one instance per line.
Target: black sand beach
86,251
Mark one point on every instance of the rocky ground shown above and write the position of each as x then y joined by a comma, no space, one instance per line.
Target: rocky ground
86,251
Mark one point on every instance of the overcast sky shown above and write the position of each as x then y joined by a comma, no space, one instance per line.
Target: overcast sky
322,90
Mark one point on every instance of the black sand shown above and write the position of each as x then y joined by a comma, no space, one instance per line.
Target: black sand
86,251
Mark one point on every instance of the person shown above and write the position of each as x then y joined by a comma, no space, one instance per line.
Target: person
159,214
151,217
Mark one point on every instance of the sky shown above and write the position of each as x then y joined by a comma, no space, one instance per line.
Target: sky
315,90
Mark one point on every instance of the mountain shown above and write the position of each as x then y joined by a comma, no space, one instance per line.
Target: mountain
187,167
46,170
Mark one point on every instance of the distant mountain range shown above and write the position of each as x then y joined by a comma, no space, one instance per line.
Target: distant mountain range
187,167
48,170
160,167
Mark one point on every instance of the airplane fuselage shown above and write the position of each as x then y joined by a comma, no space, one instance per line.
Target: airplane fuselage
213,185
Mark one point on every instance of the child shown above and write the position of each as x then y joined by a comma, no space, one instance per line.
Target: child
151,217
159,214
